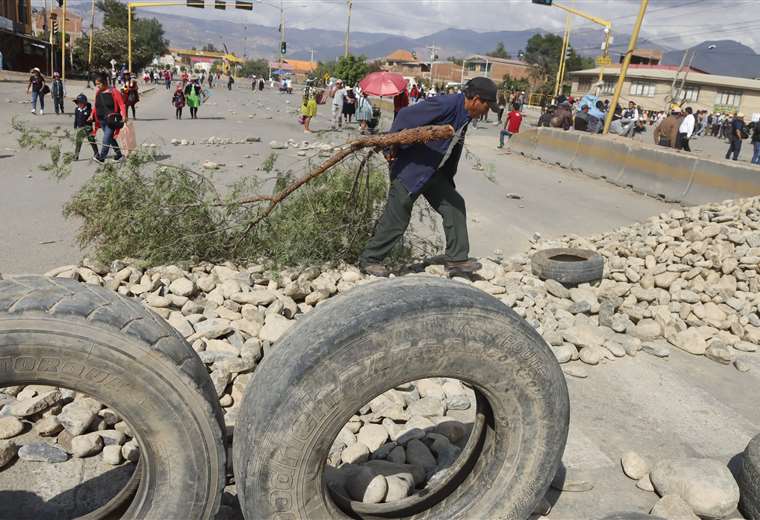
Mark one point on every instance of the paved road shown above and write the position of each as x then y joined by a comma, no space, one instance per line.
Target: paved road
553,201
684,406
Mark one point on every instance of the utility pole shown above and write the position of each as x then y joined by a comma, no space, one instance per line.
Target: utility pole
63,42
348,28
624,67
433,55
92,32
563,52
282,31
49,11
312,55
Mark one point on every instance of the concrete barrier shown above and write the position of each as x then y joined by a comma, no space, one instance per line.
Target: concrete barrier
659,173
524,142
714,181
600,161
556,146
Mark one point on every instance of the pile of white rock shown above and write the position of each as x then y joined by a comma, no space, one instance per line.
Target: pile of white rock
48,424
689,489
402,440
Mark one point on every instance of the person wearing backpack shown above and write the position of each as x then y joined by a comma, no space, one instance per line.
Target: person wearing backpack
83,125
130,93
109,113
737,132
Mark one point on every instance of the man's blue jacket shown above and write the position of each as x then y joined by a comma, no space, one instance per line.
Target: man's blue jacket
415,164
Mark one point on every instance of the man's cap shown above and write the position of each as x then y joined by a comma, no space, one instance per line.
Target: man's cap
56,74
740,115
81,98
485,89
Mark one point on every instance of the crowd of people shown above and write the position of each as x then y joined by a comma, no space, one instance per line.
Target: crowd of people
674,129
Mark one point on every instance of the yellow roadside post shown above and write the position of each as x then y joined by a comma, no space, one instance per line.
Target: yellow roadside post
63,42
624,67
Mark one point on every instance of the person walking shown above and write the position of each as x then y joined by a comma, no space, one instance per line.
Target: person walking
685,130
57,93
83,126
349,105
167,79
337,105
109,114
756,142
511,125
130,92
428,169
737,132
400,100
308,110
364,112
193,97
39,89
178,100
230,81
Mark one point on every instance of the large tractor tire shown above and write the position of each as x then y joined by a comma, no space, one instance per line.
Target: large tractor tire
62,333
377,337
749,480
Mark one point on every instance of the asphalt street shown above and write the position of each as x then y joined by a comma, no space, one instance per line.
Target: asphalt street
36,237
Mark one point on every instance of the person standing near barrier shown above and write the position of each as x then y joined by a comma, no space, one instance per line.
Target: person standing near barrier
685,130
756,142
737,133
428,169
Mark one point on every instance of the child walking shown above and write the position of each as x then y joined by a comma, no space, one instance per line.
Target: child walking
178,100
83,125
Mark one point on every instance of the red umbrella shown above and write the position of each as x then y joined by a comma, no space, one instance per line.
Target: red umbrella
383,83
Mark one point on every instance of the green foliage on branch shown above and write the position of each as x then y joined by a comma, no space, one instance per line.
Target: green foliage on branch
164,213
500,52
258,67
543,51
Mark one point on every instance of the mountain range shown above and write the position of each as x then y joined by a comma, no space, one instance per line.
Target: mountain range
728,57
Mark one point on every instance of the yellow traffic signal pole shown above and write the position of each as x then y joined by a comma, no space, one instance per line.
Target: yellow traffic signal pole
92,29
63,42
601,21
562,56
624,67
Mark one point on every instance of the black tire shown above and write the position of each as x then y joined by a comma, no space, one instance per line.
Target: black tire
749,480
380,335
62,333
568,266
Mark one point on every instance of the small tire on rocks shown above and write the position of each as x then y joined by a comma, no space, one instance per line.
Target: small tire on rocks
568,266
376,337
89,339
748,479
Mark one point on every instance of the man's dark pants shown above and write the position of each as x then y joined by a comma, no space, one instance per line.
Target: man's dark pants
734,147
682,142
443,197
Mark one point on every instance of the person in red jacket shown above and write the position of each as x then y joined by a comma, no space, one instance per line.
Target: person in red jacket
511,125
400,101
109,113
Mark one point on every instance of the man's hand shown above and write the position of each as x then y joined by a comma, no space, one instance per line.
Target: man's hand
390,153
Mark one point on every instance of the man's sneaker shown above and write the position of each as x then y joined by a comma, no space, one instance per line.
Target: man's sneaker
98,159
378,270
34,111
118,158
468,266
42,112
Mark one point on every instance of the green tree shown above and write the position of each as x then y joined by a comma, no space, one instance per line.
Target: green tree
351,69
511,84
455,60
543,52
499,52
258,67
110,42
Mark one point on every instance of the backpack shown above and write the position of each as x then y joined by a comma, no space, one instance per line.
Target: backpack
744,132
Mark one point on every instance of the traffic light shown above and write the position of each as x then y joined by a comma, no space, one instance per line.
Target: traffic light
195,3
220,4
283,47
60,3
54,18
542,2
248,6
568,52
